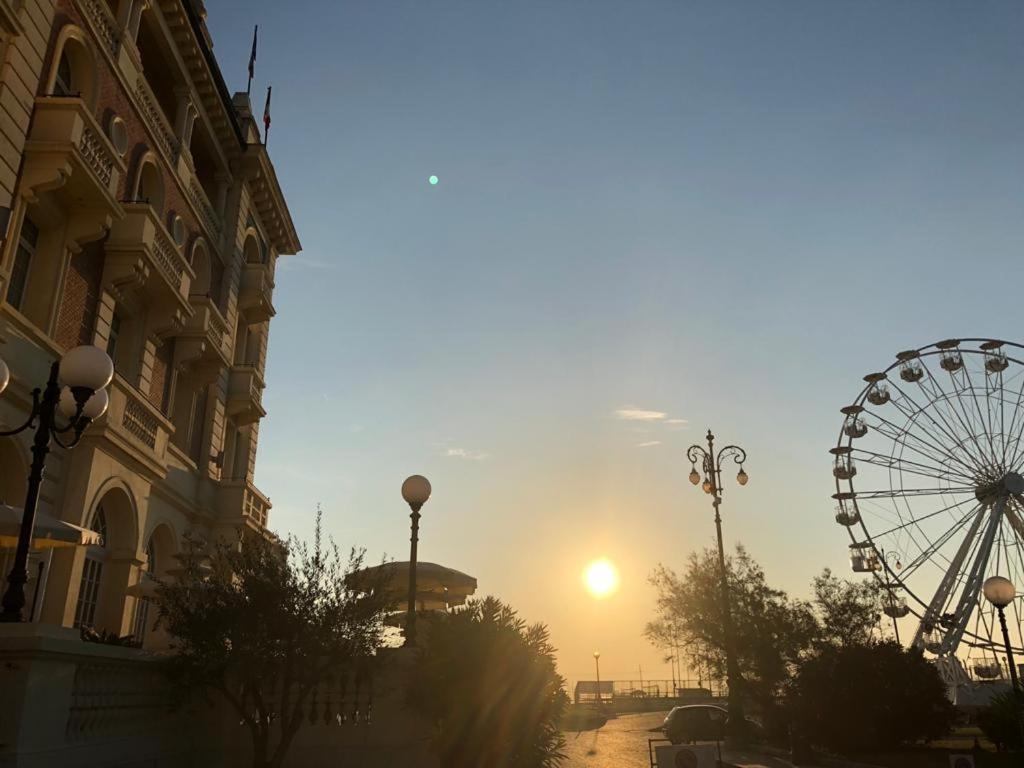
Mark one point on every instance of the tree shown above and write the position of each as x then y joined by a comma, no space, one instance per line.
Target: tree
876,695
488,682
1001,720
771,631
848,611
263,622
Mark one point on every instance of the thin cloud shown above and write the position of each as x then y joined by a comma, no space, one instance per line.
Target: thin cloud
678,422
463,453
648,444
632,413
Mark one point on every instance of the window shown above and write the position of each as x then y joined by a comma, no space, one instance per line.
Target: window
115,332
141,621
92,575
22,263
88,593
196,428
62,83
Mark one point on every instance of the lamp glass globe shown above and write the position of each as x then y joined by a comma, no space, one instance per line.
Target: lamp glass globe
416,490
96,405
742,476
5,375
999,591
694,476
86,366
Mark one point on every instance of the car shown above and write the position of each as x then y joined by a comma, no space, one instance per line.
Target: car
700,722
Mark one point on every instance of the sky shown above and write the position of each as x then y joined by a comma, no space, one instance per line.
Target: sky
725,213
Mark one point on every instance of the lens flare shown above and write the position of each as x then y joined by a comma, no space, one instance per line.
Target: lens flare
601,578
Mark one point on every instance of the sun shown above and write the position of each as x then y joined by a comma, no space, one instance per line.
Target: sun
601,578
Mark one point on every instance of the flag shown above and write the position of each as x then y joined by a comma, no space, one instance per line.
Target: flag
252,56
266,111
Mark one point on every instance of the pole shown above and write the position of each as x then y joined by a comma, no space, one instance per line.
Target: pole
14,597
410,613
597,672
735,705
1013,670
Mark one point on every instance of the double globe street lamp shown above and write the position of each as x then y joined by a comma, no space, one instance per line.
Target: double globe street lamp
1000,592
711,469
75,392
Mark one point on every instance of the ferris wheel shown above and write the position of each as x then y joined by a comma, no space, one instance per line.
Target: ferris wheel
928,472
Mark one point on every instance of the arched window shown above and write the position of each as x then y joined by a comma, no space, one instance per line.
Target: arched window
149,186
92,574
254,251
73,71
62,85
200,261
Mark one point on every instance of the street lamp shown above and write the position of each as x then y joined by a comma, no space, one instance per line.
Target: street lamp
711,466
84,373
1000,592
597,672
415,491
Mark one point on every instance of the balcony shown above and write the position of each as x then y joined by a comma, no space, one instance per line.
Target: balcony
240,498
204,341
143,259
245,394
68,151
254,293
135,425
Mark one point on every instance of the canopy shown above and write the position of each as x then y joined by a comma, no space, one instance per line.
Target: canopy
437,587
49,533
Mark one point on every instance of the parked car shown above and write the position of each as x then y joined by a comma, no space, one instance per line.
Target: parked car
700,722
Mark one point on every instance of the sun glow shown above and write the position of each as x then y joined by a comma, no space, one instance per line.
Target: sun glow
601,578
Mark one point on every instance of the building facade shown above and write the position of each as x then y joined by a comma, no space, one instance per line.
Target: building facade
143,215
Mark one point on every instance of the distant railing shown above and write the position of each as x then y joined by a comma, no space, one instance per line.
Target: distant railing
139,422
102,21
585,690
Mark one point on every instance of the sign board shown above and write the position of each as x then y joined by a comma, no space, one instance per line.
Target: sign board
961,761
699,756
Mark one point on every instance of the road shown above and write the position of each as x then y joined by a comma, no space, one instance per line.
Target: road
622,743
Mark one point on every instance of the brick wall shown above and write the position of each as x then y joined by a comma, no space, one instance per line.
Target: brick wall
81,297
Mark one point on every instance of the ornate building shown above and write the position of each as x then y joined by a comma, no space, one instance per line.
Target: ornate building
143,215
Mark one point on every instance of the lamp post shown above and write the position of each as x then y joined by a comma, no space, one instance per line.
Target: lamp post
76,389
597,672
1000,592
711,465
415,491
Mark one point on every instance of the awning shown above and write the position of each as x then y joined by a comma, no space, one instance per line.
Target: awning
437,587
49,533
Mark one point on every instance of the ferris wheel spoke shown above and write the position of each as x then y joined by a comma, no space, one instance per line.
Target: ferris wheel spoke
901,492
935,439
974,578
1007,434
944,428
920,446
986,419
917,520
932,550
906,465
949,580
951,399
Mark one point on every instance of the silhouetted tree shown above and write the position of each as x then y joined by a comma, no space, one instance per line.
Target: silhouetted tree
877,695
488,681
848,611
262,622
1001,721
772,631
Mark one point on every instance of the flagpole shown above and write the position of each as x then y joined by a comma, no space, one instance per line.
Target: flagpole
252,61
266,118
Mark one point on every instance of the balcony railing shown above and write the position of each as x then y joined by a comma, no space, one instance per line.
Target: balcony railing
67,148
135,423
241,498
245,394
140,237
255,292
208,329
98,16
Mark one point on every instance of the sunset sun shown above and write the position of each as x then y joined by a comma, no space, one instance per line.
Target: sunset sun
601,578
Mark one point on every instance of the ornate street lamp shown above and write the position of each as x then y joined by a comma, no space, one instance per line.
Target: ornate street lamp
597,672
1000,592
76,390
415,491
711,466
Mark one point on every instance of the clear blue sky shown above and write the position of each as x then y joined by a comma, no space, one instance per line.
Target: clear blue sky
727,212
